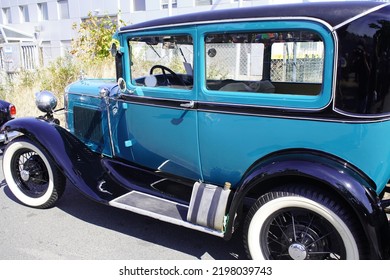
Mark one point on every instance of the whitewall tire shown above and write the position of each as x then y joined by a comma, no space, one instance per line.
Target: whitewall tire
31,175
300,224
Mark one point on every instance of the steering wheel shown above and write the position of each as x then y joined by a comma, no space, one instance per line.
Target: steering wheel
165,69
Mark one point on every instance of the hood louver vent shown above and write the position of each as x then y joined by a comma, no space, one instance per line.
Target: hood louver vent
88,125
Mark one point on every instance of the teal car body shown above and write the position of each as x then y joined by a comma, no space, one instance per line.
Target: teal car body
274,118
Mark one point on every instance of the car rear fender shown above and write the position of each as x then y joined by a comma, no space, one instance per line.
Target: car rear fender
334,177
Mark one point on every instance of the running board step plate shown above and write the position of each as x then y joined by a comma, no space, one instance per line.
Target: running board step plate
159,208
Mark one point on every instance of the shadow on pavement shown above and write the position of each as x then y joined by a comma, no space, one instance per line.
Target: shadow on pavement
148,229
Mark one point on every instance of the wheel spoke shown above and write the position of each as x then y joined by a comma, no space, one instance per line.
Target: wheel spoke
293,226
280,227
319,239
277,241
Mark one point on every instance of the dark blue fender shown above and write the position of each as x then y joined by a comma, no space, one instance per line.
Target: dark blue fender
339,177
83,168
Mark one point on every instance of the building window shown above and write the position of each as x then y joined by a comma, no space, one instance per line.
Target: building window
63,9
7,18
43,12
139,5
24,16
203,2
165,4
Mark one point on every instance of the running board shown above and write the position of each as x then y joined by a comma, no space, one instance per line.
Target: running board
160,209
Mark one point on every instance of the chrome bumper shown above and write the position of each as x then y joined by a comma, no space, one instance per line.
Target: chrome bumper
6,137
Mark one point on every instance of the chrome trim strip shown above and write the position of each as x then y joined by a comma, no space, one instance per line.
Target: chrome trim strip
230,21
382,117
335,65
198,107
361,15
146,100
110,129
84,94
358,118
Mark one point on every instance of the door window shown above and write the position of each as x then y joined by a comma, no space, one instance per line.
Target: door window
162,61
284,62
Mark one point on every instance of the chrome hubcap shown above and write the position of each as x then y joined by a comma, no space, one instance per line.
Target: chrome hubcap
297,251
25,175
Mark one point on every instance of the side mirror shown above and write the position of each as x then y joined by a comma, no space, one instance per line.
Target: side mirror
114,50
122,85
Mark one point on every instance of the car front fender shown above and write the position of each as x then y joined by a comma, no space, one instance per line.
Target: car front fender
81,166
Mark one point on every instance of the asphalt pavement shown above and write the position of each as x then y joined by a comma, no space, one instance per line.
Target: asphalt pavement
81,229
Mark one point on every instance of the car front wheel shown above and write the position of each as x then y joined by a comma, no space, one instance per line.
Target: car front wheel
31,175
300,224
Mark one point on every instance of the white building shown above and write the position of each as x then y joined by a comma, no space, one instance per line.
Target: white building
47,24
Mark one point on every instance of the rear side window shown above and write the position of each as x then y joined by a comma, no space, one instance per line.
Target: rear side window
363,72
288,62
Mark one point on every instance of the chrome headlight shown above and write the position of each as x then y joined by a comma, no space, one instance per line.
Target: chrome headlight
45,101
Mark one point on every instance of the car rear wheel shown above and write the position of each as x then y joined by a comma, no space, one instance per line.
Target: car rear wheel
31,174
301,224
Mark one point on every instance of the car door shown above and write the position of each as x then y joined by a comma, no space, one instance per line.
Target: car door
154,123
256,76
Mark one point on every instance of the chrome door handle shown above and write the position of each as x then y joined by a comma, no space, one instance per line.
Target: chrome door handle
188,105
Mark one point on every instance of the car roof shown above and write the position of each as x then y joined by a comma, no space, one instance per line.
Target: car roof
333,13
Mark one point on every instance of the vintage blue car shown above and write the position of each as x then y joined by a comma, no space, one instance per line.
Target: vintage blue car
275,119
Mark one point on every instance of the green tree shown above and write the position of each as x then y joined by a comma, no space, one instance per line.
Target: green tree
94,38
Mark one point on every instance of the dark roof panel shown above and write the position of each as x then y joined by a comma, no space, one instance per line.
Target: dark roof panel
333,13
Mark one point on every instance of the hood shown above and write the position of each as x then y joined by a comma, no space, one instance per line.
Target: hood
91,86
